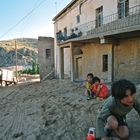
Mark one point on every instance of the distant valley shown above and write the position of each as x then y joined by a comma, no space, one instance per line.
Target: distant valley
27,52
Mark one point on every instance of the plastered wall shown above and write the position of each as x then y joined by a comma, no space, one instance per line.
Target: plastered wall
127,59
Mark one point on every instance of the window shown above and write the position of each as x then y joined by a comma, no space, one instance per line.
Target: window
123,8
99,16
78,18
48,53
105,63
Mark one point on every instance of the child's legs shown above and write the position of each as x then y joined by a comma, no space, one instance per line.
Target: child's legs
120,128
87,92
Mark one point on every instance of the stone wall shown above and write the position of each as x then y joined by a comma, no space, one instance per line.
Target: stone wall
46,56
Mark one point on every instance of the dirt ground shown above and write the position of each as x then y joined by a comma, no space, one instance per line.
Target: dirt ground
51,110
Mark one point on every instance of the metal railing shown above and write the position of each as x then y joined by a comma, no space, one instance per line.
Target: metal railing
113,22
109,23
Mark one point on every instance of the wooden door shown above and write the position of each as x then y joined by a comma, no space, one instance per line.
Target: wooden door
79,68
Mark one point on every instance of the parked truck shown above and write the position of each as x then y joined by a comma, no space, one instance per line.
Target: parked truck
7,77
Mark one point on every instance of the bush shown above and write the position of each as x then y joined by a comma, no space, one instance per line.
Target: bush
34,70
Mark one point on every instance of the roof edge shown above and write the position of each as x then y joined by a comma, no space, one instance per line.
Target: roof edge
64,9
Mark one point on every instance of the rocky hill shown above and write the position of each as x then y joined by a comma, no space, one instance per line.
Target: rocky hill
27,52
52,110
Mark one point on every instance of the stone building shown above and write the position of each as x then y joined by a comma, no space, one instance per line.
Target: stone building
98,36
46,57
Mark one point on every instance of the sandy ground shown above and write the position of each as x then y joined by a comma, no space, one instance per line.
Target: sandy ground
51,110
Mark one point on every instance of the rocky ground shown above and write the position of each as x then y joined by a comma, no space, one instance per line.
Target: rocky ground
51,110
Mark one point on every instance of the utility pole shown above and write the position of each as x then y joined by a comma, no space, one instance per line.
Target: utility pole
56,48
16,59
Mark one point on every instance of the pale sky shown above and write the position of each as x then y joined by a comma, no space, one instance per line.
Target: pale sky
28,18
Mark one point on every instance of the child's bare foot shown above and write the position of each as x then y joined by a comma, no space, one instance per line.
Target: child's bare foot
100,99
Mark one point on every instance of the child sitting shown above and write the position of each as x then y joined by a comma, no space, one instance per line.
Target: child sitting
88,85
99,89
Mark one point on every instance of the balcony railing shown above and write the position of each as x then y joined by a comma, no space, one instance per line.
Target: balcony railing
110,23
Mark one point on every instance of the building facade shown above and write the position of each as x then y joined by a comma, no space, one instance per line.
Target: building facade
98,36
46,57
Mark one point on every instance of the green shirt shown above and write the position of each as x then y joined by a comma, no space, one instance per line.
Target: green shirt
88,85
112,106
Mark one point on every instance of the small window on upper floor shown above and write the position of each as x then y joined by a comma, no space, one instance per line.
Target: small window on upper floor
123,8
78,18
48,53
99,16
105,63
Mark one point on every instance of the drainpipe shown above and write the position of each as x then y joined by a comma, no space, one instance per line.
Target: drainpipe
81,6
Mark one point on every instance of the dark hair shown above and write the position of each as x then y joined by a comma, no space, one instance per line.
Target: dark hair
96,79
119,88
90,74
91,132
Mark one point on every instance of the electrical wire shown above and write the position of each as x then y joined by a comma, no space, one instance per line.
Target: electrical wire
22,19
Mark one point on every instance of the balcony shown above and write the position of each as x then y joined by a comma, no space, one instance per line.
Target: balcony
111,25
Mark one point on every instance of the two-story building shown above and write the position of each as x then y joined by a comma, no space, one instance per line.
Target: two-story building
98,36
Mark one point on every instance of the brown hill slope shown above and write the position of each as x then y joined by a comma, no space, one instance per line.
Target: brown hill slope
27,52
50,110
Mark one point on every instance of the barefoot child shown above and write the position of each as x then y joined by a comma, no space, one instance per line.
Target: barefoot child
88,85
112,117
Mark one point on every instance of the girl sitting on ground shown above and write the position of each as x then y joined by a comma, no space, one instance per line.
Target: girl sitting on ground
99,89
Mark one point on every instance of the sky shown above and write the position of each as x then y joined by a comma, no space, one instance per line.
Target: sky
28,18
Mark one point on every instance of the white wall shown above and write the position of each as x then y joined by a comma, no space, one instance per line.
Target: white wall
67,61
88,14
133,3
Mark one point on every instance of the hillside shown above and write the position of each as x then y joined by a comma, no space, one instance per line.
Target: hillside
27,52
51,110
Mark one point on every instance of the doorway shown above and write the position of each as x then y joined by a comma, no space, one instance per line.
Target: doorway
79,68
